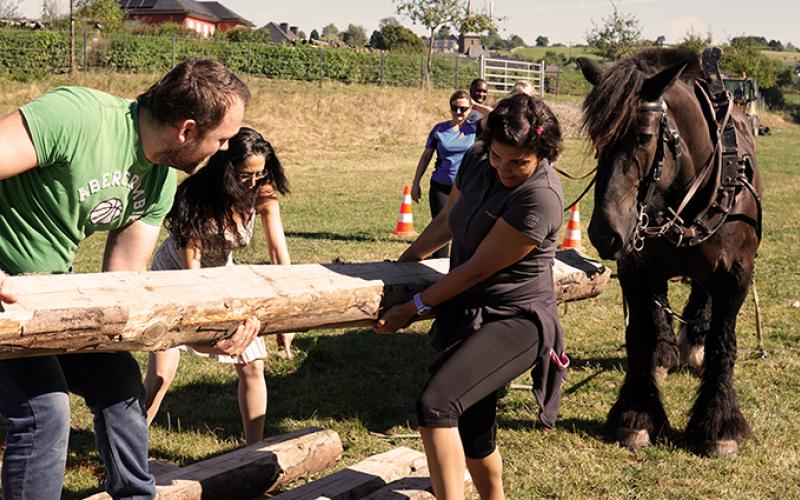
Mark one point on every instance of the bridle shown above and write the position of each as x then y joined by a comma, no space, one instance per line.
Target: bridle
729,170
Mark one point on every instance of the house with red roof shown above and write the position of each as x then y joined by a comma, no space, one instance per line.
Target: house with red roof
202,17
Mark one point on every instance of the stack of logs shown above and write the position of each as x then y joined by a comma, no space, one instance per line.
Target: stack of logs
259,471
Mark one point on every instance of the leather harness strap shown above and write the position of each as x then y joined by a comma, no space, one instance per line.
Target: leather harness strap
730,171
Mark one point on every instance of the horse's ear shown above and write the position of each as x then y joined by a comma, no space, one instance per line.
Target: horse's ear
657,84
591,69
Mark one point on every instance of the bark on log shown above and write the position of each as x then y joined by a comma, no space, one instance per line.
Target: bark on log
362,478
250,471
416,486
154,310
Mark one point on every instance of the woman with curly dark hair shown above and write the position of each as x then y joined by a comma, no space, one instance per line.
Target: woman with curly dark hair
495,310
214,214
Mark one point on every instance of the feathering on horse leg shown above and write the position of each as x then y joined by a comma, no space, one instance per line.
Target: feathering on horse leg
692,336
665,356
716,421
638,415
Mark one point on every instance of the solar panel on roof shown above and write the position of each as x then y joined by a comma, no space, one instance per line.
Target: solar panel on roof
138,4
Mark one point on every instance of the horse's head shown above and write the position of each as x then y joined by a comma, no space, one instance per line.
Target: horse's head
628,116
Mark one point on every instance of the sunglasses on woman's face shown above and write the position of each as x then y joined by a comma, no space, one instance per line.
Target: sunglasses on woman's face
248,177
459,109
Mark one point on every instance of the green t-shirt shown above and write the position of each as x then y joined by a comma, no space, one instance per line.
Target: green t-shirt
92,176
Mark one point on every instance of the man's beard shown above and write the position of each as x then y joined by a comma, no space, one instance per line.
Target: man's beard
184,159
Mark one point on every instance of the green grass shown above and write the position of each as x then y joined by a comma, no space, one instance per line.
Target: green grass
538,53
783,56
348,151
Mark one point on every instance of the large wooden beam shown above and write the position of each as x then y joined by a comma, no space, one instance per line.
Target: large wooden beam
250,471
155,310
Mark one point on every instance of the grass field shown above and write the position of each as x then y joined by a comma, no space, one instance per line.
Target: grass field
538,53
348,152
784,56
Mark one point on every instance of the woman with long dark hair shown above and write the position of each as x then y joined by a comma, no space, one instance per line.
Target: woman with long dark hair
495,310
214,214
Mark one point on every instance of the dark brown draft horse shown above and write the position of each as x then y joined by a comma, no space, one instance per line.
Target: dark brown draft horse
677,194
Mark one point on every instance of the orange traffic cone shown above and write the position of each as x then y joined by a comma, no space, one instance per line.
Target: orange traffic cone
405,222
572,235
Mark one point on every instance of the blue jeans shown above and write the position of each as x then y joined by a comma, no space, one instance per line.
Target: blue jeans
33,397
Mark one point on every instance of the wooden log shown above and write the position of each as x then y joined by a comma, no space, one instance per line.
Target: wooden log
154,310
416,486
362,478
250,471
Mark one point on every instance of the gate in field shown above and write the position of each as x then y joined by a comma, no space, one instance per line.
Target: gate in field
502,74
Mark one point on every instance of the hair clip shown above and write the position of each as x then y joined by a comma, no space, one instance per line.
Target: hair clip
539,130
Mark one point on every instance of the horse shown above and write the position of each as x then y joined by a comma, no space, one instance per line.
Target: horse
677,194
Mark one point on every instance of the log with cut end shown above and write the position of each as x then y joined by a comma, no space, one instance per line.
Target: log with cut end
362,478
250,471
154,310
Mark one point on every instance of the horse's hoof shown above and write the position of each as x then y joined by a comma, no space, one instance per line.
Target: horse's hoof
692,355
724,448
660,373
633,439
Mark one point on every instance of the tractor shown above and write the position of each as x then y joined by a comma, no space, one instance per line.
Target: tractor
748,98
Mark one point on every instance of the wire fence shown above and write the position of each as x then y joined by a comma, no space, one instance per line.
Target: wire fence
29,54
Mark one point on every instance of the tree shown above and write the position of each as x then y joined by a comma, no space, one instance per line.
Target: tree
330,32
616,36
9,9
443,32
542,41
314,35
301,35
660,41
516,41
106,13
434,14
775,45
388,21
695,41
396,38
743,55
50,10
355,36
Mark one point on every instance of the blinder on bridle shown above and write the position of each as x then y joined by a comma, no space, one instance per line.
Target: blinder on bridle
729,170
652,123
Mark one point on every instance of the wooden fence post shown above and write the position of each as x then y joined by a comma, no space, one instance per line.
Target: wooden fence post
383,68
321,66
85,52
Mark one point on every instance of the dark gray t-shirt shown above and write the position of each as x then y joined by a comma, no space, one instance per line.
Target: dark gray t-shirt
535,208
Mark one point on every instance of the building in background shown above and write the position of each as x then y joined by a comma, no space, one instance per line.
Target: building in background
202,17
282,33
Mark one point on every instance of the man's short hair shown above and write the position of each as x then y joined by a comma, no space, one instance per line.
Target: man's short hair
475,83
198,89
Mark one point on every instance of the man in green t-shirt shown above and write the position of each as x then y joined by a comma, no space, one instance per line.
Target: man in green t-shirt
72,162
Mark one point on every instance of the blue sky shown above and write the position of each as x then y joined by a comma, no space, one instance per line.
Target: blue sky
565,21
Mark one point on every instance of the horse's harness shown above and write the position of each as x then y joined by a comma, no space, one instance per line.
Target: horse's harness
731,172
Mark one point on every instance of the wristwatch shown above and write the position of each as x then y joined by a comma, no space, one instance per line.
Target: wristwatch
422,307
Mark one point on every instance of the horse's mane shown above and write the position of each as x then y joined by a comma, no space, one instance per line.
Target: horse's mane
610,108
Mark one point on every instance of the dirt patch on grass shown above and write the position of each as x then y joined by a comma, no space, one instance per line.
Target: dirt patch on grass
569,116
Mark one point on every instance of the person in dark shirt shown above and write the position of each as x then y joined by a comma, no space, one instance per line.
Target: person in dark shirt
496,308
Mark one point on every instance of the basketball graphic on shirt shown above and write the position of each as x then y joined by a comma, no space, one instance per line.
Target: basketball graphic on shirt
106,212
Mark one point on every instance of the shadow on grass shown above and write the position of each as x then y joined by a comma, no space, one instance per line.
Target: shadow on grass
357,375
325,235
